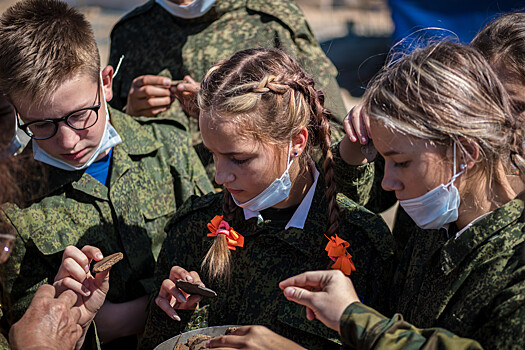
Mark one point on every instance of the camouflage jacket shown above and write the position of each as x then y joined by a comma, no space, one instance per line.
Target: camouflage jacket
270,255
473,286
152,40
153,171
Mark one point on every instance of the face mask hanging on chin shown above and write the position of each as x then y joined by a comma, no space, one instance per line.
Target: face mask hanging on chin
109,139
275,193
193,10
437,207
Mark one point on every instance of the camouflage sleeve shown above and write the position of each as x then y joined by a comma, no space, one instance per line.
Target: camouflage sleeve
362,183
365,328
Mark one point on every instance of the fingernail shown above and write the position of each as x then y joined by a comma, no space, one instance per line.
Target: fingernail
175,317
99,256
208,344
363,139
289,292
167,82
189,278
86,268
86,291
182,298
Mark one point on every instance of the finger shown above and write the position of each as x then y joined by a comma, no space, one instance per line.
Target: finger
193,300
148,102
178,273
349,129
166,307
75,314
68,283
226,341
92,252
156,111
151,80
301,296
102,278
45,291
195,278
309,279
310,314
168,289
69,298
358,125
153,91
366,122
74,268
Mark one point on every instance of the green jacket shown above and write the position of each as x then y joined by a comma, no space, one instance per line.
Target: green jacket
270,255
153,40
154,170
473,286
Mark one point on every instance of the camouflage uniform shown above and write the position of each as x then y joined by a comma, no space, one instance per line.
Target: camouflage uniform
154,170
270,255
153,40
473,286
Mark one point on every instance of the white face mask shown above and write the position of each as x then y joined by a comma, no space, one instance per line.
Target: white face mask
278,191
437,207
193,10
109,139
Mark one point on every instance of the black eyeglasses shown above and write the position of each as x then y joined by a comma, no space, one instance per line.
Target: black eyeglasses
80,119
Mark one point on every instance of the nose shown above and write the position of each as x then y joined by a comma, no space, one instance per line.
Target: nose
390,181
223,174
67,137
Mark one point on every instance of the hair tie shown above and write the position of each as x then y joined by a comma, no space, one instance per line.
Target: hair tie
218,226
337,251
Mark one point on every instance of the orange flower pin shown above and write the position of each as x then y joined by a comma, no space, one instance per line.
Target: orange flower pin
218,226
336,249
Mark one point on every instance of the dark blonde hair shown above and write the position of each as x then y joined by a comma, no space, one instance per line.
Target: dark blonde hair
447,92
42,43
266,95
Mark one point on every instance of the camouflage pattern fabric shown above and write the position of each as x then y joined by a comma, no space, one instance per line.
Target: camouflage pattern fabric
4,344
154,170
473,286
270,255
152,41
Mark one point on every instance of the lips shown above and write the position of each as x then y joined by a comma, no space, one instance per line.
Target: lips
74,156
232,191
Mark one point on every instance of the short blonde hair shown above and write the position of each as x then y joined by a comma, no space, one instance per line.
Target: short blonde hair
42,43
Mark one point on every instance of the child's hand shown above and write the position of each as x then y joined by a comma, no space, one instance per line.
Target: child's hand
326,294
149,95
74,274
170,297
252,338
186,93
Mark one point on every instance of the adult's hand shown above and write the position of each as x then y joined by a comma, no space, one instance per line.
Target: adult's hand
149,95
357,129
326,294
170,297
49,322
186,93
252,338
74,275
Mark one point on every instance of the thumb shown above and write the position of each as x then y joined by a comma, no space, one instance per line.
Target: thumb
300,296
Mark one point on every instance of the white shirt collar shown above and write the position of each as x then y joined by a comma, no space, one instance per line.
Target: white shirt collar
301,213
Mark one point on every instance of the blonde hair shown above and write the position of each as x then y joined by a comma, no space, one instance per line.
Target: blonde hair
267,95
447,92
44,42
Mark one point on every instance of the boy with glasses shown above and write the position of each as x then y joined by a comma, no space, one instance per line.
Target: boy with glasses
111,181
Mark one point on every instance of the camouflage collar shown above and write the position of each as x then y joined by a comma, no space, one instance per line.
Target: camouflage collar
480,233
136,140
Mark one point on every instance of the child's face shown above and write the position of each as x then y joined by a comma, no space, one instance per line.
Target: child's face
72,146
413,166
243,165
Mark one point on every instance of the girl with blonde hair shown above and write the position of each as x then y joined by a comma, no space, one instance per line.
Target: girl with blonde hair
278,216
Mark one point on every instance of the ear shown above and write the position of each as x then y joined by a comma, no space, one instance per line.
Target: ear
471,153
299,142
107,82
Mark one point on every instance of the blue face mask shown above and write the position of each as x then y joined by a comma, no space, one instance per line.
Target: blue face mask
437,207
109,139
278,191
194,10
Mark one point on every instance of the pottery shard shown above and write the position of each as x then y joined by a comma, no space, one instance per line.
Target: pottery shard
107,262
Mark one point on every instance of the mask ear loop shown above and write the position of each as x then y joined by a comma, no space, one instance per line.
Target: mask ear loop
462,166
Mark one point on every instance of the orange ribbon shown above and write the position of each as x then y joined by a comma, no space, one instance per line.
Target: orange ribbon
336,249
218,226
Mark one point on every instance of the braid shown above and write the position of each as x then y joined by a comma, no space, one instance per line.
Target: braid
218,258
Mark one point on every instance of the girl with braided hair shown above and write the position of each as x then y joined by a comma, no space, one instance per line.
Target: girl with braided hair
279,215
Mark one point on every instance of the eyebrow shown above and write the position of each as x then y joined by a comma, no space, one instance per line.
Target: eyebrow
224,154
391,153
